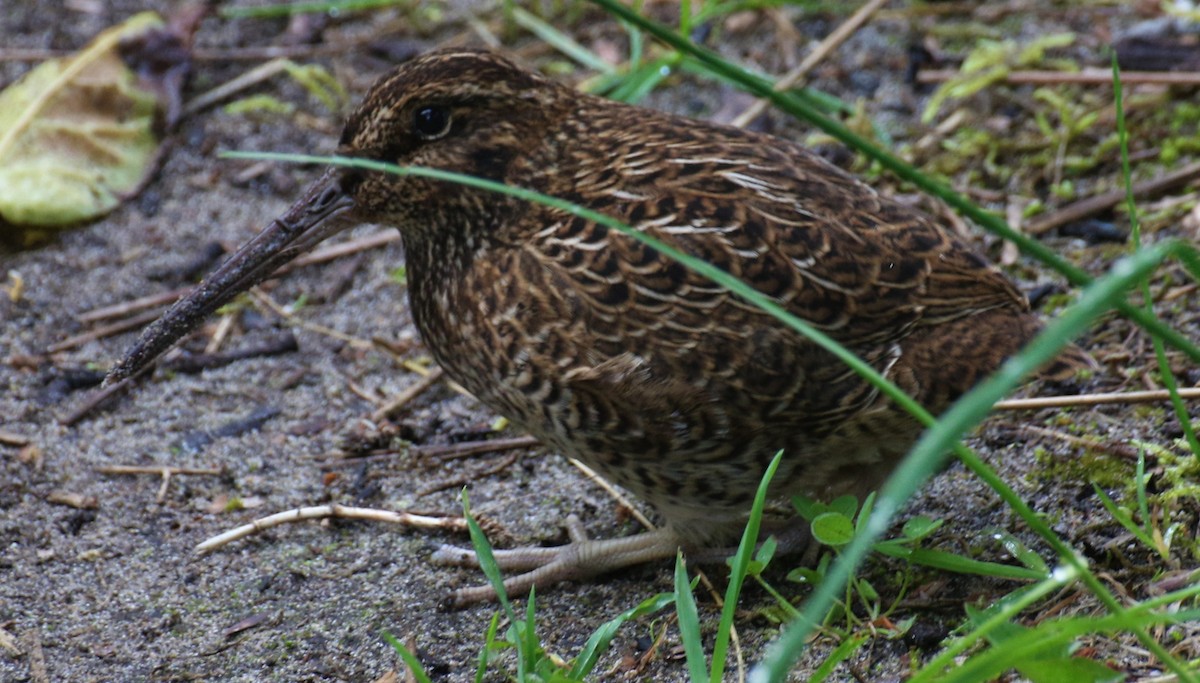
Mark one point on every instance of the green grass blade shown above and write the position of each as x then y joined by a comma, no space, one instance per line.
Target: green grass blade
1021,552
737,573
1050,636
638,83
598,642
995,618
940,559
561,41
841,653
689,624
1124,519
410,659
527,642
1140,481
487,561
1135,232
489,644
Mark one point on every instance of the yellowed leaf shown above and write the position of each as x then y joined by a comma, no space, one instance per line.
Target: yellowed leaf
77,134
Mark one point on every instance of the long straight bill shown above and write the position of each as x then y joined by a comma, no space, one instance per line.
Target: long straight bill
313,218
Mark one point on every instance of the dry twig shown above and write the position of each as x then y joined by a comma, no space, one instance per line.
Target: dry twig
332,511
265,299
397,403
11,439
133,306
230,88
1085,77
104,331
1091,206
1119,450
459,482
469,448
101,395
1122,398
165,472
615,494
829,44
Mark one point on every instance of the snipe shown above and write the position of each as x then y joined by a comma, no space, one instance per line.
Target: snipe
609,352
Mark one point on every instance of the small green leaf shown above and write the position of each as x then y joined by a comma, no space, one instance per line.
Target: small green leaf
833,529
1022,552
808,508
846,505
920,527
866,590
766,551
259,104
1072,669
805,575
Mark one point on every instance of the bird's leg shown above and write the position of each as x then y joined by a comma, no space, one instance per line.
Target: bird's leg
579,559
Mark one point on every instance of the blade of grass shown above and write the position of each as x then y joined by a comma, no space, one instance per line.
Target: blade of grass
1049,636
638,83
995,618
526,638
487,561
939,559
841,653
737,573
598,642
489,644
1124,519
561,41
410,660
689,624
1135,234
1139,616
1143,502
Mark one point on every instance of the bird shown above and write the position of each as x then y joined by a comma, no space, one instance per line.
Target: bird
609,351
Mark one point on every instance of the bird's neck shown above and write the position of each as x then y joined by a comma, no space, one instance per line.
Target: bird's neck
444,299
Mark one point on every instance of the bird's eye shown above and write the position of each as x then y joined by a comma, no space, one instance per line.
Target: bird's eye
431,123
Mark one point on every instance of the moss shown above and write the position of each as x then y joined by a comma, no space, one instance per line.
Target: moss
1092,466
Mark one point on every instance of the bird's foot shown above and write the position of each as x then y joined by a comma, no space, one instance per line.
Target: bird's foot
541,567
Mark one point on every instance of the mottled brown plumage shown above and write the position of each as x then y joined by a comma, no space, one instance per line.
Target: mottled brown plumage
609,352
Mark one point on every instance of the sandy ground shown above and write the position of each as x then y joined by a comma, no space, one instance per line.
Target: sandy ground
114,591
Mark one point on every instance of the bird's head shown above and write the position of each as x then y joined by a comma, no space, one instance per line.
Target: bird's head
467,111
459,110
